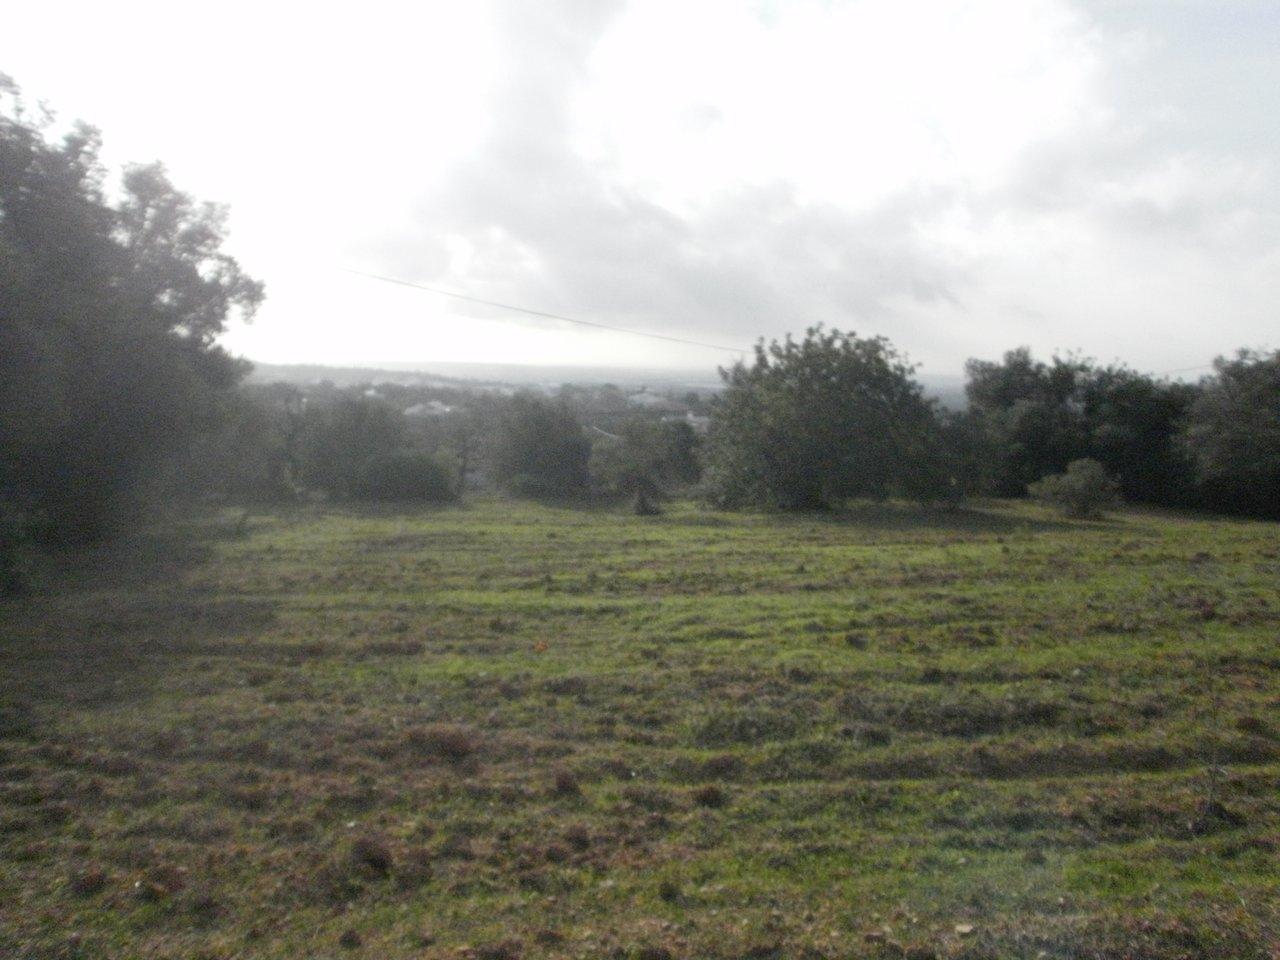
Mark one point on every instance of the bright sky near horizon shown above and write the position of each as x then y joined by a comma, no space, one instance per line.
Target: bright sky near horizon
961,178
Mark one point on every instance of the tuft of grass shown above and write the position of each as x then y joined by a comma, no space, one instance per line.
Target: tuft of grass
442,741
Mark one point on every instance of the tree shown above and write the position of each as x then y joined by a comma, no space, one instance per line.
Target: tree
341,437
109,313
1232,432
1038,417
810,423
1033,415
645,458
255,454
1132,421
537,447
406,476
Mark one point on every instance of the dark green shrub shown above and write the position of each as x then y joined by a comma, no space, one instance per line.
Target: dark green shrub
1084,491
339,438
401,477
536,448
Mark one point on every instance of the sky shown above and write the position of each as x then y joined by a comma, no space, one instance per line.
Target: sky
962,178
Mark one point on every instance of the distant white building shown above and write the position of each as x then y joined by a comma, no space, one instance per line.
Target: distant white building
656,402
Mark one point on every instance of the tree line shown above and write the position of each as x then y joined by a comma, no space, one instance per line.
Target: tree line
806,424
812,422
113,385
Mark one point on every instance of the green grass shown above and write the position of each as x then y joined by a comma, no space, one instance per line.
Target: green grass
508,730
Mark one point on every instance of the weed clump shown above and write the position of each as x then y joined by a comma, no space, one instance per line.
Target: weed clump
565,784
1084,491
88,881
711,795
350,940
669,891
578,837
750,725
501,950
372,855
445,742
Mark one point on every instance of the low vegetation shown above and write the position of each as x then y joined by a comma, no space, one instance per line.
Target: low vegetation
505,730
1084,491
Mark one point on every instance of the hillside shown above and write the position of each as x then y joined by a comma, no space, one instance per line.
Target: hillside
509,730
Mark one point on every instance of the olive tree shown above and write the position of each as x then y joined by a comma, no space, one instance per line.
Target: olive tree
809,423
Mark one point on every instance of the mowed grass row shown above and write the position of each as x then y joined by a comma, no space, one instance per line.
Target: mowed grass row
507,730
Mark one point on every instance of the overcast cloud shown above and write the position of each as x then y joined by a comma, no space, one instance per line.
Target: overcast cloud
960,178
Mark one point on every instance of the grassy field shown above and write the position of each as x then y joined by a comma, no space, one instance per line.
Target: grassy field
507,730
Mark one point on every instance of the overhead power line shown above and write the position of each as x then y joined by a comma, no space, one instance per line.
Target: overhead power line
1202,366
541,313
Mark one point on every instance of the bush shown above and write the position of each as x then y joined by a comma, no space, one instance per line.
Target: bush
1084,491
537,448
399,477
339,439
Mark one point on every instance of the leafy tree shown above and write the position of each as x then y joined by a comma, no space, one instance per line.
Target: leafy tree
1038,417
405,476
1033,414
645,458
1233,433
810,423
341,437
966,454
1083,491
537,447
1132,422
255,454
109,312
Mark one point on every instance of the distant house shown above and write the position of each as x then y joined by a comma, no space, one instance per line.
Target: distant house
656,403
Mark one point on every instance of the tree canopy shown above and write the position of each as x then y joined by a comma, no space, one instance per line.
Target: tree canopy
811,422
1037,417
110,306
1232,431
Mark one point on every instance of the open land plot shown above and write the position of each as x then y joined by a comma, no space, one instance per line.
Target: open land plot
509,730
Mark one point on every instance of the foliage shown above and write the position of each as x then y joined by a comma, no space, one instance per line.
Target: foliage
1233,432
810,423
108,315
646,458
341,436
254,455
405,476
1133,421
15,539
536,447
1084,491
1033,414
1037,417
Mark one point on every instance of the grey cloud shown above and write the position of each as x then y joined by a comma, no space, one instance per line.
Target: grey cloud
554,231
